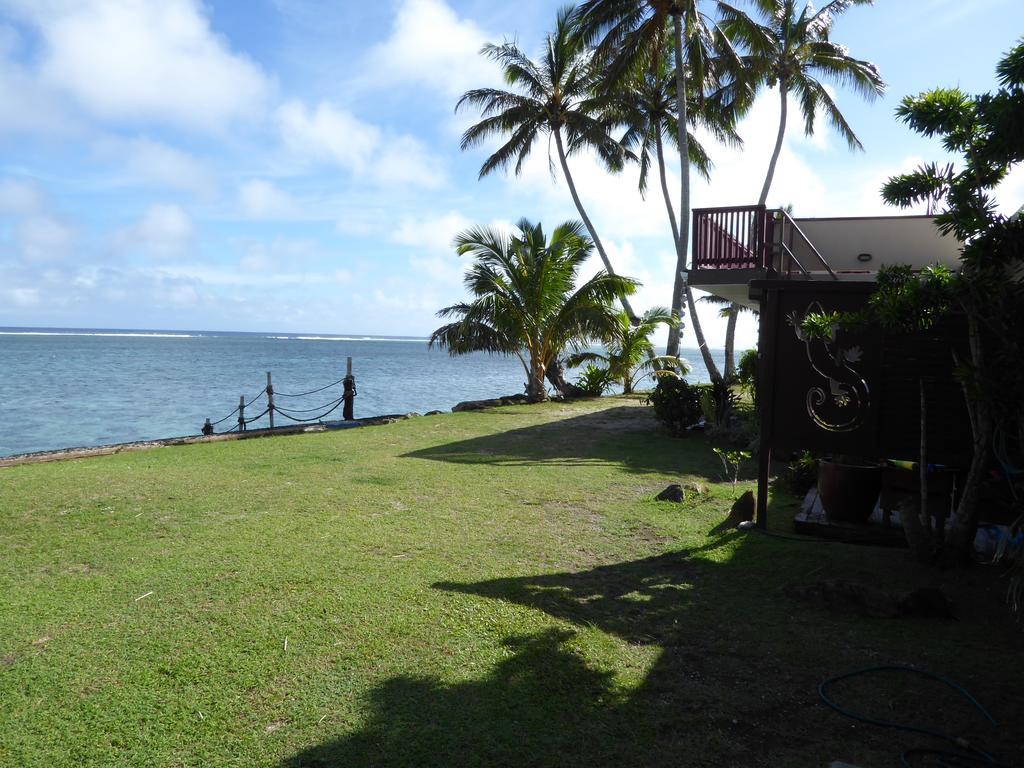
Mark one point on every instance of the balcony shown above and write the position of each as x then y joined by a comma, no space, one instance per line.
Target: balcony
736,245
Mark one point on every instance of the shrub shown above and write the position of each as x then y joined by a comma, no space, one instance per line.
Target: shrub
746,374
676,403
802,474
718,404
594,380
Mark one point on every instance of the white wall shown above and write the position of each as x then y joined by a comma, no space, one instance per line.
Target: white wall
912,240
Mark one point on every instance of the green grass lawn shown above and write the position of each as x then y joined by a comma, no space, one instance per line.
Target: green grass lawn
476,589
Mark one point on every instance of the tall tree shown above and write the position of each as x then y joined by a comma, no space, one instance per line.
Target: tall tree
634,36
554,97
525,299
790,49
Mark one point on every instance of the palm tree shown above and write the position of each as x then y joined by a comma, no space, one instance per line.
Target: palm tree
554,98
646,105
792,50
635,37
629,348
525,298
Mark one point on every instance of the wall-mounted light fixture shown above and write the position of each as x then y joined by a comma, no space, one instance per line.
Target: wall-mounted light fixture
863,257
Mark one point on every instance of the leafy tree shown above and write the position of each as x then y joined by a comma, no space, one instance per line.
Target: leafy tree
635,35
554,98
525,299
629,349
985,131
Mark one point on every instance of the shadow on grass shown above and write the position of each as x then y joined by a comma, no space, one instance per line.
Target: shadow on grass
624,436
730,680
543,705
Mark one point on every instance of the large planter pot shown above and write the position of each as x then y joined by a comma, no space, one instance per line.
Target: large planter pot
848,492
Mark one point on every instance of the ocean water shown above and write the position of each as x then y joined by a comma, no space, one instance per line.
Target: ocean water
63,388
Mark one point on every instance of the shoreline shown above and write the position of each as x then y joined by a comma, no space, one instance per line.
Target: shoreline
110,449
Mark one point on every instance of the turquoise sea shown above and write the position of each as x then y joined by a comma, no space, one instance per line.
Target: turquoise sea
62,387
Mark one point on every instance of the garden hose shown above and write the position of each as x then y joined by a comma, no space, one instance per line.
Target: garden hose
966,754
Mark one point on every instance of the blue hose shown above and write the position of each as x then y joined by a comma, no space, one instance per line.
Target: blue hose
966,754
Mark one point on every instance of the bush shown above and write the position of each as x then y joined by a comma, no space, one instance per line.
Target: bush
746,374
801,474
718,404
676,403
594,381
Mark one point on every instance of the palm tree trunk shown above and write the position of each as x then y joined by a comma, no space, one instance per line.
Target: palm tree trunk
730,343
536,392
687,294
556,377
679,286
633,318
783,94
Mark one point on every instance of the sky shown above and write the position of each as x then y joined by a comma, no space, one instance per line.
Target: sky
294,165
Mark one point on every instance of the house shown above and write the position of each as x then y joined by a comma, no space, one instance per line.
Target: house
860,392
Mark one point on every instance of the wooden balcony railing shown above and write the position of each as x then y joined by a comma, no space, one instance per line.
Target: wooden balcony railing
754,237
738,237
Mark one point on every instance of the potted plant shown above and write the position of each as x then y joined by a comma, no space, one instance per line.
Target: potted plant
848,488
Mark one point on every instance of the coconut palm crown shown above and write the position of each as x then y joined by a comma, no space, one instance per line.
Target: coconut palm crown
554,98
790,48
525,298
628,349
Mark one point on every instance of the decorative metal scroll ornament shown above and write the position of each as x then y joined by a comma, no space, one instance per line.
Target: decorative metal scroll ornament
844,406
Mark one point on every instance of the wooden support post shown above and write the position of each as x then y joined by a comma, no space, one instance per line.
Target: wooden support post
350,392
768,331
270,400
241,413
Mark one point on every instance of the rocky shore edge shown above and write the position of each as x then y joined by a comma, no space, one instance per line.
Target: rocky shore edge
64,454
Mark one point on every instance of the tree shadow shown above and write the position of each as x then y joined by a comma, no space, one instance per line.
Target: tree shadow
624,436
544,705
731,677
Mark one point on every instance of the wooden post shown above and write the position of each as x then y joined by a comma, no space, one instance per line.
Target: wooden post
270,400
766,373
241,413
350,392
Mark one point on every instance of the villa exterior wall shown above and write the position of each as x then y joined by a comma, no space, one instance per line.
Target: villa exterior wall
912,240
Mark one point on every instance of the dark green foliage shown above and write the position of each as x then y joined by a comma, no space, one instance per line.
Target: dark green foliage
595,380
987,133
801,474
676,403
718,404
746,374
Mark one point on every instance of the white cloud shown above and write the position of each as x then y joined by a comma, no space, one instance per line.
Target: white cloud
434,233
165,229
431,45
1010,192
157,163
405,160
20,198
38,110
215,276
148,60
328,133
261,199
44,238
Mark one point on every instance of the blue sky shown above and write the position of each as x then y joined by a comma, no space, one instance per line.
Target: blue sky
293,165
